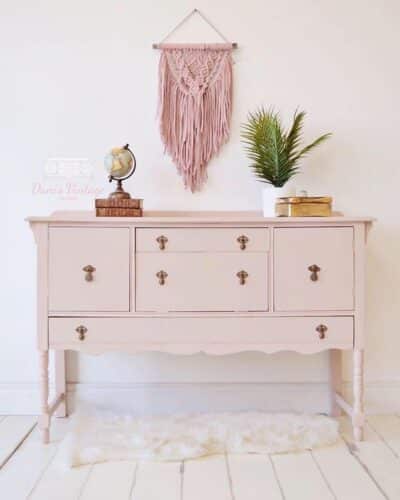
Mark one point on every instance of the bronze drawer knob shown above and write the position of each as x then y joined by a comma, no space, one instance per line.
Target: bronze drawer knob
242,275
314,269
242,240
81,331
161,275
162,240
321,329
89,270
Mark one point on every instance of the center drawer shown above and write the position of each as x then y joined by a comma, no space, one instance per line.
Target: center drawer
201,281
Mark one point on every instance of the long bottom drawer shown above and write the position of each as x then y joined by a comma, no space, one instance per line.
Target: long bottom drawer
214,335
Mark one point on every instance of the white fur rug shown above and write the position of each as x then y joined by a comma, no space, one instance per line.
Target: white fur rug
103,438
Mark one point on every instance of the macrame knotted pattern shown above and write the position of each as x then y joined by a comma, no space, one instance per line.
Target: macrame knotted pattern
195,106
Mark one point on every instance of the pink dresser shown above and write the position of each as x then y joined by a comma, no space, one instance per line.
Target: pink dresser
215,282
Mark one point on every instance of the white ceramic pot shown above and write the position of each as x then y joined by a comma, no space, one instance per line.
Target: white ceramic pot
269,196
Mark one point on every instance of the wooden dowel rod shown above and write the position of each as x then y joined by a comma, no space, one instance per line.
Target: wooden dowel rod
159,45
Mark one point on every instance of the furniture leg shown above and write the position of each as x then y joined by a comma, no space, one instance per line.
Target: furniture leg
335,380
44,419
61,387
358,393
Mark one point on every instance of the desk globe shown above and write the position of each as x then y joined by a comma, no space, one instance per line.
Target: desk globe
120,163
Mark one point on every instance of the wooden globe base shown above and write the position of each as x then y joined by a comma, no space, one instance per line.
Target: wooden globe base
119,193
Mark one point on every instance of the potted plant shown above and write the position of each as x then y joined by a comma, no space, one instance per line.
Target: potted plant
275,152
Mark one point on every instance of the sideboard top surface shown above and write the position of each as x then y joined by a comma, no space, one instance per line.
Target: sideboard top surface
192,217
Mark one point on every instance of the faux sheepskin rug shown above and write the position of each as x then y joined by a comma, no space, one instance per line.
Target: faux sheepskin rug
96,438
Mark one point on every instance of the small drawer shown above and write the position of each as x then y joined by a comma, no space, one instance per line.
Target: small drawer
238,239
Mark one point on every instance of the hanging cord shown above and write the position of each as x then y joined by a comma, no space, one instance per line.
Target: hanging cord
186,18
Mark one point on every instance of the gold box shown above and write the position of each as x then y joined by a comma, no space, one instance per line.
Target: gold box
304,206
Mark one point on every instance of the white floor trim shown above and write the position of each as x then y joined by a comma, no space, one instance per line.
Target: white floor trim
380,397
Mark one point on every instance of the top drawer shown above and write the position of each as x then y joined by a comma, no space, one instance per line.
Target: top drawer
202,239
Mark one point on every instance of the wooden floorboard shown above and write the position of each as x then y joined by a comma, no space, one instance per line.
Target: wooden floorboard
300,477
206,479
344,474
388,428
156,481
13,430
20,474
59,482
378,460
109,480
253,477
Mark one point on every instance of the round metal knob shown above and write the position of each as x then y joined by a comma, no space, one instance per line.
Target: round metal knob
81,331
242,275
162,240
321,329
314,269
242,240
89,270
161,275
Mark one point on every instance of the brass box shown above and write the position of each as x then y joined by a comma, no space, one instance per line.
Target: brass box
304,206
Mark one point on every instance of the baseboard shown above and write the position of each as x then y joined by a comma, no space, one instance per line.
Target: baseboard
23,398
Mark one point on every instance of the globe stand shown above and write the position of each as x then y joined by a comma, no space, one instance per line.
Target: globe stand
119,193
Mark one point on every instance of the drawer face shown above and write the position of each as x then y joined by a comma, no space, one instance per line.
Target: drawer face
330,286
213,334
202,239
72,249
201,282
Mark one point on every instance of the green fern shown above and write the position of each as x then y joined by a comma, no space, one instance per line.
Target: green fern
274,152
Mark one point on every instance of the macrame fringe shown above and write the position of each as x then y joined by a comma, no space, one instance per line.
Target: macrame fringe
195,106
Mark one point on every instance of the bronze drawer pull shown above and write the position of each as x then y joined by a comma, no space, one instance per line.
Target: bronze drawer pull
321,329
89,270
314,272
242,240
162,275
162,240
81,330
242,275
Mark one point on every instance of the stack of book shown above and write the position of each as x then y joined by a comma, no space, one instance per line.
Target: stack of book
115,207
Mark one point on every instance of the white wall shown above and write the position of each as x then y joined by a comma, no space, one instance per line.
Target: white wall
80,76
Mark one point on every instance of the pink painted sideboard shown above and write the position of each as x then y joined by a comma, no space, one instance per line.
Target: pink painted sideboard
213,282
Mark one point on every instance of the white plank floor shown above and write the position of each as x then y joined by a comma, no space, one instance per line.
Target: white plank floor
368,471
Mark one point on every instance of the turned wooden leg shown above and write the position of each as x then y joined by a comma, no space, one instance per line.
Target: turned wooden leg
358,393
44,419
335,380
61,388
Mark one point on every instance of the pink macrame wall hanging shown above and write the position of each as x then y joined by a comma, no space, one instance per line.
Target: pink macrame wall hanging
195,104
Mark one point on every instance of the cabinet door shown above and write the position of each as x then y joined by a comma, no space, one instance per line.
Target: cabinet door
102,287
201,282
313,269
